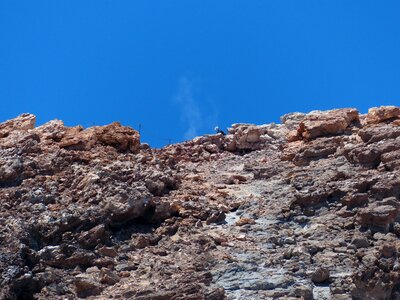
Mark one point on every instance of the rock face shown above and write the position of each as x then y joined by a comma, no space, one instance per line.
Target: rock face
306,209
332,122
381,114
120,137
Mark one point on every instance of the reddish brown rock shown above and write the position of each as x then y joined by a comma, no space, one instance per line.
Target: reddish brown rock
246,215
376,133
23,122
108,277
120,137
379,216
332,122
356,199
292,120
249,137
108,251
380,114
93,237
391,160
244,221
87,286
320,275
314,150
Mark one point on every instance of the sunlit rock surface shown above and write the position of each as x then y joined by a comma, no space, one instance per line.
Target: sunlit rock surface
306,209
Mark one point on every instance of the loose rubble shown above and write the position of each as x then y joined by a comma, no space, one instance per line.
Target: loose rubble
305,209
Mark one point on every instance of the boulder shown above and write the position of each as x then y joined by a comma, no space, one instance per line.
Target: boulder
247,136
11,167
355,199
108,277
52,131
381,114
360,241
391,160
127,205
250,137
376,133
303,153
311,196
93,237
22,122
377,216
122,138
332,122
86,286
108,251
292,120
320,275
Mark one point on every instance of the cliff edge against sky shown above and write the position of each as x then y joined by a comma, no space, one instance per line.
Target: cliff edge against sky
306,209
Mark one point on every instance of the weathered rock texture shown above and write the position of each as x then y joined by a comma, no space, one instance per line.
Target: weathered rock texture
306,209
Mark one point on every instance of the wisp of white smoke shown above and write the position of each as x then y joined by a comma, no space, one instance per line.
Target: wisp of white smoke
190,112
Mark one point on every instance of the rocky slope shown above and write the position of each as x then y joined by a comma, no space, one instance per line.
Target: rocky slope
307,209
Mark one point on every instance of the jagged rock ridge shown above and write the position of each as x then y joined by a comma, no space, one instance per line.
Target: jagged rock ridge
304,209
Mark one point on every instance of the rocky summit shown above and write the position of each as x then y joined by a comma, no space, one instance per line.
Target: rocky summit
305,209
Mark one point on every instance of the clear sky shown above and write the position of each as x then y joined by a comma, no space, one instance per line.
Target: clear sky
181,67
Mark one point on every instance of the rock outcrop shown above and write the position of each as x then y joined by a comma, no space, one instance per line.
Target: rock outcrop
306,209
381,114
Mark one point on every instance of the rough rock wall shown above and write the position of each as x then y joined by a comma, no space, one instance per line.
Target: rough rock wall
306,209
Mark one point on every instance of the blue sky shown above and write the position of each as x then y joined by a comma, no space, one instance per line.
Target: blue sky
180,67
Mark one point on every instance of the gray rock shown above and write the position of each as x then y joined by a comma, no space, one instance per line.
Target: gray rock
87,286
108,277
320,275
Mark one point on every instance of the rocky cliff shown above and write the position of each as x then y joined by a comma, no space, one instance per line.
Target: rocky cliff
306,209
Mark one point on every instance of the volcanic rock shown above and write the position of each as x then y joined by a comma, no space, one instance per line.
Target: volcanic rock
320,275
305,209
86,286
381,216
23,122
108,277
332,122
381,114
